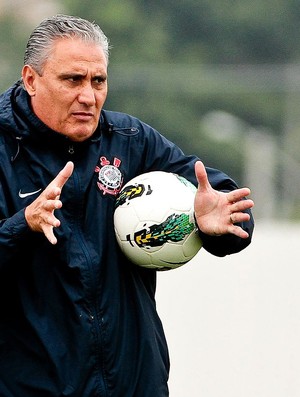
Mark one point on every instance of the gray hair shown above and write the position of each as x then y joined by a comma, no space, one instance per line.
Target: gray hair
40,42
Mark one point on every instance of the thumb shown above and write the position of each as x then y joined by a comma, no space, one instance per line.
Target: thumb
201,176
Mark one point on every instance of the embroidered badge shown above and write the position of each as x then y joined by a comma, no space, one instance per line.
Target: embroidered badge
110,178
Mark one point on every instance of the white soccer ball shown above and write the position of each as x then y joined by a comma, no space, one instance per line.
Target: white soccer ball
154,220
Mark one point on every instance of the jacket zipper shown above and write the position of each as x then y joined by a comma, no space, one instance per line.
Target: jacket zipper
94,317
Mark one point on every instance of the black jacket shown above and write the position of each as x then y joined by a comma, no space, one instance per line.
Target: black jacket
77,318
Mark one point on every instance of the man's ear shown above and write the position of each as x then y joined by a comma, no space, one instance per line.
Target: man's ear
29,76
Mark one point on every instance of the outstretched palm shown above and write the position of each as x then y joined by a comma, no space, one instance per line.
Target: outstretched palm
218,212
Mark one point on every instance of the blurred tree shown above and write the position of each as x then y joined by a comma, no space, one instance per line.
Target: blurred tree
11,43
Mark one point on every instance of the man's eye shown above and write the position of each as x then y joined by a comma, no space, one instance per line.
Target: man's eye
74,78
99,80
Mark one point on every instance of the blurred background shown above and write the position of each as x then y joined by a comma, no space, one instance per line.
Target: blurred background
222,80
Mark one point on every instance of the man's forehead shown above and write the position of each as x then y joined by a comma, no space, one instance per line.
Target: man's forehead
70,54
77,47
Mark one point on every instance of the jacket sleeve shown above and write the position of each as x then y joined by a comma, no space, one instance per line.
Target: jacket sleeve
12,231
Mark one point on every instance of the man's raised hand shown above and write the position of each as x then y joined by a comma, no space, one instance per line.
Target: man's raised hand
40,213
218,212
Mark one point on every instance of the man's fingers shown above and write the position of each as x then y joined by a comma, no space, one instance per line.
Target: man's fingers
40,213
241,205
48,232
238,194
52,204
63,175
237,217
238,231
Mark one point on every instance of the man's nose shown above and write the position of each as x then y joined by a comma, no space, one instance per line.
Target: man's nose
87,95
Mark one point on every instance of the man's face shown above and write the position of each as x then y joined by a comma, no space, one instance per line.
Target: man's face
69,95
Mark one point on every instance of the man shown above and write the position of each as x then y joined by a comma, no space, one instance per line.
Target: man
77,318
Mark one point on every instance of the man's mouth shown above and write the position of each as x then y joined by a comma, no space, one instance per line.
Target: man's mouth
83,116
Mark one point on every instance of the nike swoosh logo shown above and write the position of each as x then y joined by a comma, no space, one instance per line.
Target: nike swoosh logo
23,195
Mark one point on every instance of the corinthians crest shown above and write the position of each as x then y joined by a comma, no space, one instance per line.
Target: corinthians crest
110,178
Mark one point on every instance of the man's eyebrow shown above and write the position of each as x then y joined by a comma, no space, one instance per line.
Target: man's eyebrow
71,74
100,75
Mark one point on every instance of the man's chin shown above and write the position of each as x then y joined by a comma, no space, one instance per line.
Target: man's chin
79,136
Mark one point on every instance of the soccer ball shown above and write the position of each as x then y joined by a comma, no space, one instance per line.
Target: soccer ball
154,220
